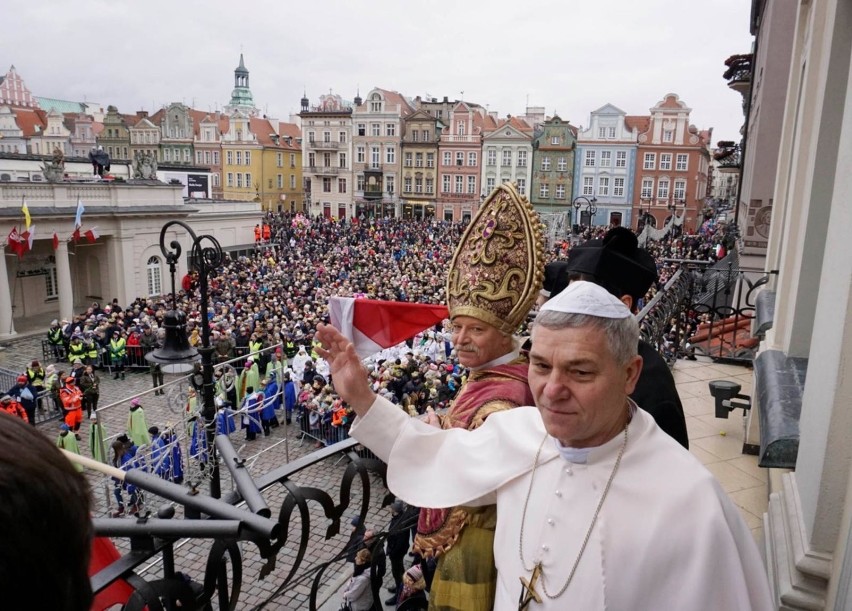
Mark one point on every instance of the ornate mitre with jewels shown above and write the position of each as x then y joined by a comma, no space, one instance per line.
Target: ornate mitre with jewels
498,266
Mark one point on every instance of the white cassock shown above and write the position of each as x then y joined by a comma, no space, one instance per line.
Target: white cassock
667,537
299,363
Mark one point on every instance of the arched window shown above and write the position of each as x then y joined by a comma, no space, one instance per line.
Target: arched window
155,277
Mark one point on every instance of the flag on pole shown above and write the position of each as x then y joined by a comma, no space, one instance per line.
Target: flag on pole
78,222
27,218
372,324
27,237
55,241
15,242
75,237
92,234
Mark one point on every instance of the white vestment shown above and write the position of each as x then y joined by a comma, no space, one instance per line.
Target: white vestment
667,537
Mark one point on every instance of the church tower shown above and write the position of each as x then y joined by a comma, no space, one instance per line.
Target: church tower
241,98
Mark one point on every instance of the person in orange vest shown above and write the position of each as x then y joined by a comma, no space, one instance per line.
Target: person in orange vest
13,408
72,404
257,234
267,232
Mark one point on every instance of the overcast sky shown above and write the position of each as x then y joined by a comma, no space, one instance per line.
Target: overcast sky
570,56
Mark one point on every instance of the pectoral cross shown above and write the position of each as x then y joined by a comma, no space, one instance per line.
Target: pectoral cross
528,592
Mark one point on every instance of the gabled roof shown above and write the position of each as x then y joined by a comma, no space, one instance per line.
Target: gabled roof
30,118
421,115
642,123
608,109
142,123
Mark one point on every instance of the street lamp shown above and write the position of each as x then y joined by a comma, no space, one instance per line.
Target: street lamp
204,259
591,209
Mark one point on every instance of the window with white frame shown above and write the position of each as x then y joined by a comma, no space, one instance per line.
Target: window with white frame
375,156
606,159
545,164
471,158
239,158
362,129
522,159
292,181
418,184
650,161
611,132
311,137
663,188
390,154
471,184
430,185
389,184
618,187
359,182
216,182
590,158
489,184
406,184
418,160
448,158
555,140
215,157
279,160
341,137
407,160
459,157
620,159
326,137
543,190
415,135
665,161
445,183
561,164
280,181
390,129
341,160
51,280
668,135
522,186
459,184
155,277
248,180
647,188
292,160
601,132
375,129
603,185
560,191
588,185
341,185
507,158
230,179
491,157
679,189
682,162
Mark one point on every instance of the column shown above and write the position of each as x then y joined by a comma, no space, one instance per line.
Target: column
63,279
7,326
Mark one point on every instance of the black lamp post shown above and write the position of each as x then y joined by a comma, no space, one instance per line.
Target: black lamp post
176,351
591,209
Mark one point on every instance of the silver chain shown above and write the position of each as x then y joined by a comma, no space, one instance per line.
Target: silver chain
588,532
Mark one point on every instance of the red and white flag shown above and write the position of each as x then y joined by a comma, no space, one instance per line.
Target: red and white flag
373,325
55,241
29,236
16,242
92,234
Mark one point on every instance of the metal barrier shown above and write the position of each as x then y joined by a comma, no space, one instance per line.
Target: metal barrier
319,425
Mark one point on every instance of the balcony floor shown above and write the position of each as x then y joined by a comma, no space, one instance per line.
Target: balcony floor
718,443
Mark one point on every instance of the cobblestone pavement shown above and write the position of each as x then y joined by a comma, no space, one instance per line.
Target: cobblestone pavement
263,455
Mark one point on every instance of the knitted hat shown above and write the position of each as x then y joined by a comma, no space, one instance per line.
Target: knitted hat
497,269
415,573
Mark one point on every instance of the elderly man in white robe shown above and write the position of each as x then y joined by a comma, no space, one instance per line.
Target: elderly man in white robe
597,508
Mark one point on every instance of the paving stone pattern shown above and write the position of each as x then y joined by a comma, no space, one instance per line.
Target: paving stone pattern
191,555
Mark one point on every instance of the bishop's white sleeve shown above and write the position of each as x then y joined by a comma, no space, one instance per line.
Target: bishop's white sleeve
432,467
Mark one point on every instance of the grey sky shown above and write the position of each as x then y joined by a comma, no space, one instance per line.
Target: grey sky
570,56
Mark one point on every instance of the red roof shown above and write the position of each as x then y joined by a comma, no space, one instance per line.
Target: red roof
27,120
640,122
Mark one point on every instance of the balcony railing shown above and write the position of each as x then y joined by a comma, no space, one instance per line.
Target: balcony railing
463,138
321,144
324,171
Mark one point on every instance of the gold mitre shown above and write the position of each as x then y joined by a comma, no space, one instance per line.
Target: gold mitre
498,266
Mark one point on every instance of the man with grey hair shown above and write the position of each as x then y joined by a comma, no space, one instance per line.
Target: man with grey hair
597,508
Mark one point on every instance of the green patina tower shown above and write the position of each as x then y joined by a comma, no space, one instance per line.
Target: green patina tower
241,98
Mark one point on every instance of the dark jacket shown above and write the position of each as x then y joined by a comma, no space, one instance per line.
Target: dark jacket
656,393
